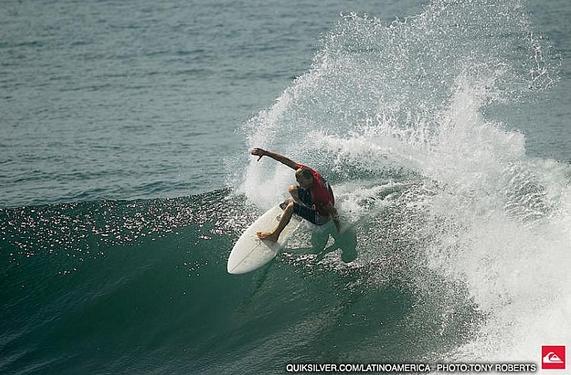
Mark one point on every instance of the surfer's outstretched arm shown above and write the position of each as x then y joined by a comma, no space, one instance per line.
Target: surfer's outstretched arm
282,159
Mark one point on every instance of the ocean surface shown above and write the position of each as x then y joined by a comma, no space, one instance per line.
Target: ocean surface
125,179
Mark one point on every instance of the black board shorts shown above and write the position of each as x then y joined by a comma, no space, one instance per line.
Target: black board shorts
306,209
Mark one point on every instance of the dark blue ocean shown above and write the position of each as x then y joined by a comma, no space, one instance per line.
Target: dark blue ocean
125,179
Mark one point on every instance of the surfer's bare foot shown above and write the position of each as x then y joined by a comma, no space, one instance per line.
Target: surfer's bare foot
270,236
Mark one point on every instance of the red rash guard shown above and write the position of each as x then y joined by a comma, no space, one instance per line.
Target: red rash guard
321,193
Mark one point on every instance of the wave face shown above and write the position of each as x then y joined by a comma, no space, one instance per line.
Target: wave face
462,238
141,287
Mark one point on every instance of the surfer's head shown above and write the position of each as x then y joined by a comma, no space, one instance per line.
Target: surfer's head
304,178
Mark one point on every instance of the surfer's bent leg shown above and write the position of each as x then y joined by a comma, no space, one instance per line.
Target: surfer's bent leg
308,213
286,217
294,191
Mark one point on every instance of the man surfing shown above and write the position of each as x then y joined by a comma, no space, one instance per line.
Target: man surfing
312,199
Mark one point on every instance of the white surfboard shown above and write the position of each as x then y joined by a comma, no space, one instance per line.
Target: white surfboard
249,252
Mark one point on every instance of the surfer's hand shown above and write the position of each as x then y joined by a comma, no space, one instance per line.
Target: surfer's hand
334,215
337,223
258,152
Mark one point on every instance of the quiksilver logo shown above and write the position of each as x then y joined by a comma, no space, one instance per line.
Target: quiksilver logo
553,357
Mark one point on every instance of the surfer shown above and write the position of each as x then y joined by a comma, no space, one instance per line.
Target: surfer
312,199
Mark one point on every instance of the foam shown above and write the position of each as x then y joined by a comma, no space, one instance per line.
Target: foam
394,115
